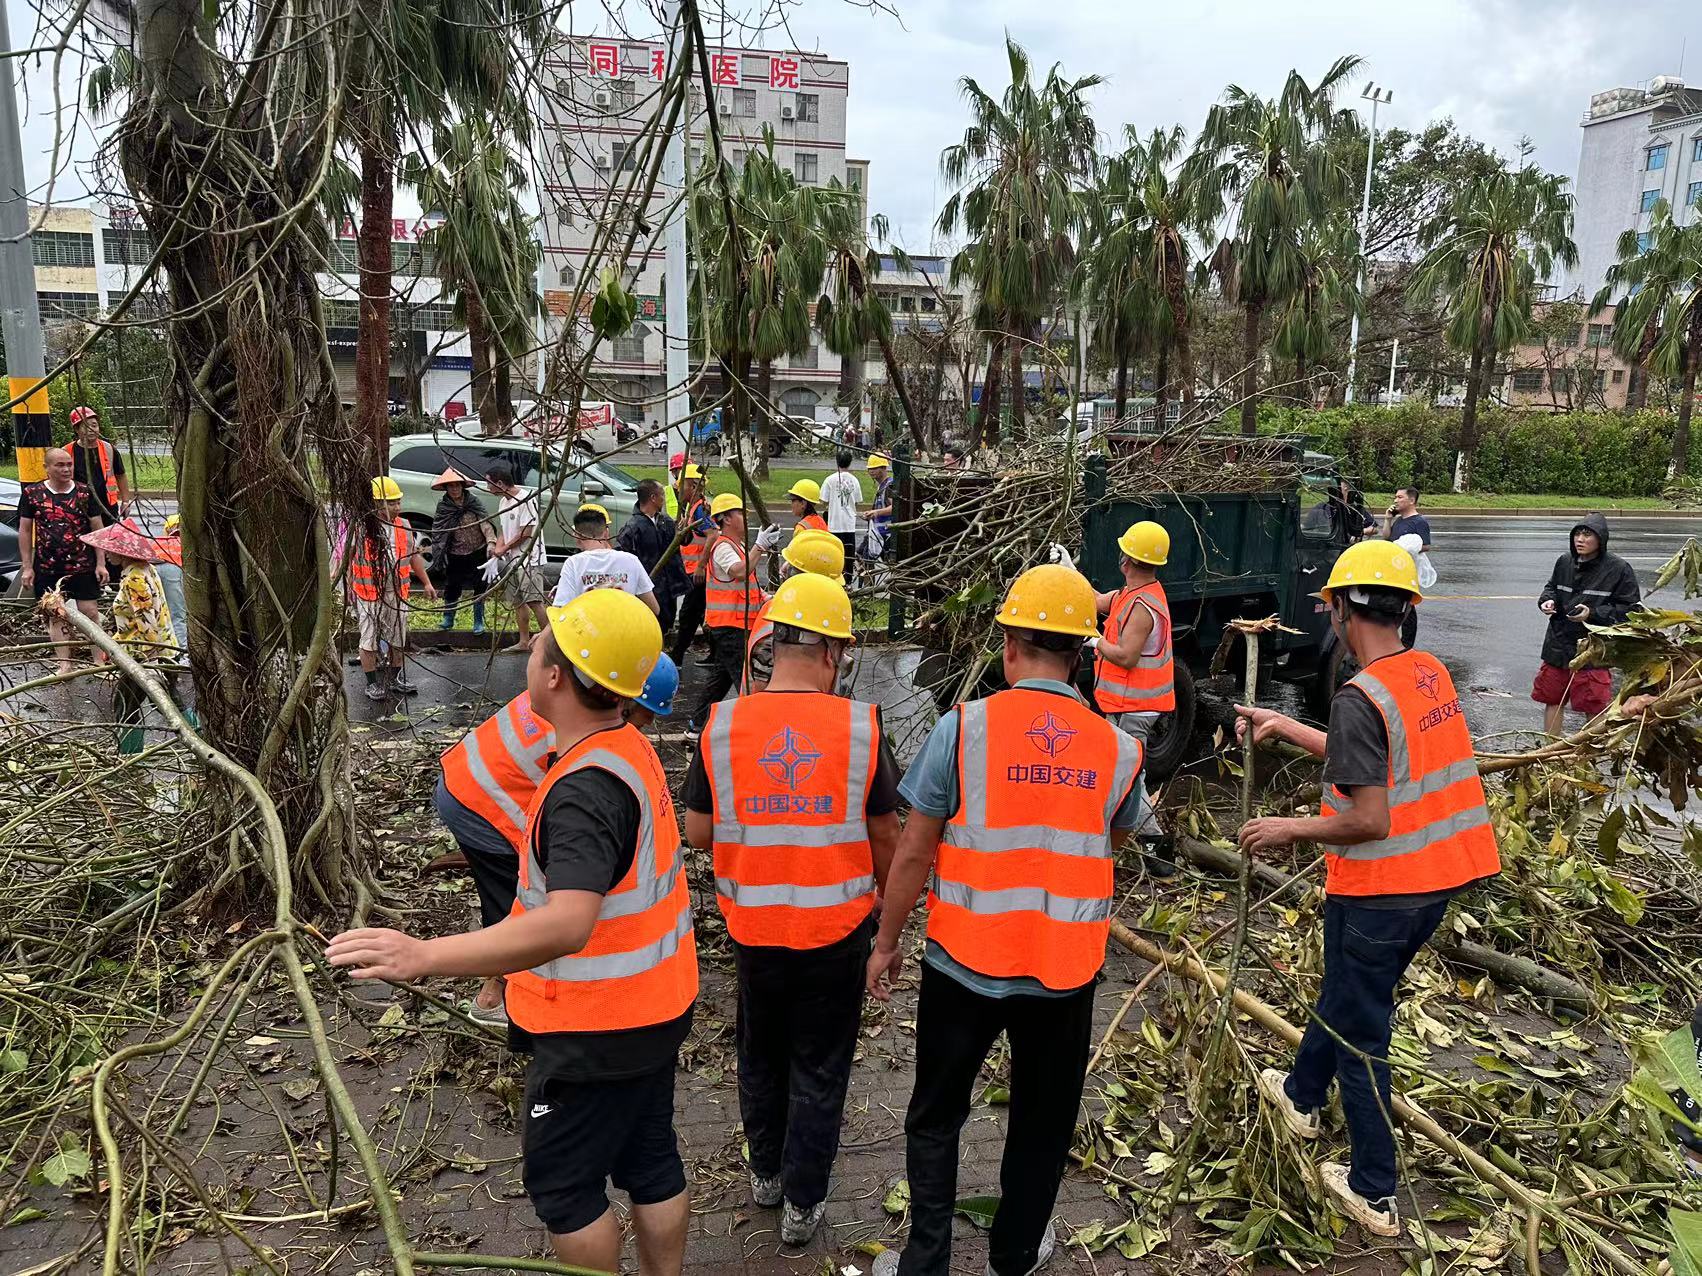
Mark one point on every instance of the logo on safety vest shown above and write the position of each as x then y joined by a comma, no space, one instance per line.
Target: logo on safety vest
1050,735
789,758
1427,682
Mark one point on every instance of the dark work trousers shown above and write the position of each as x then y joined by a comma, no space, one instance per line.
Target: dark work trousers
955,1028
799,1014
461,576
690,618
727,668
667,604
1366,951
491,857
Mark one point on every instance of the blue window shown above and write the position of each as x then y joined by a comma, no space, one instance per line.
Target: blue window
1657,157
1643,242
1650,199
1696,151
1693,196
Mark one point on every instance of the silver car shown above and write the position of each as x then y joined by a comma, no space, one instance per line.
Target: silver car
418,459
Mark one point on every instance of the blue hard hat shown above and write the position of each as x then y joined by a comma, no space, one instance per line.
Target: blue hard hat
659,687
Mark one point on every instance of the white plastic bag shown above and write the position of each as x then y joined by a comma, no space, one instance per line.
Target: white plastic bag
1414,545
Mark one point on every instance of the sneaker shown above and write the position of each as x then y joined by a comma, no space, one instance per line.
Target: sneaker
1272,1085
447,623
376,691
1380,1218
798,1225
401,686
765,1192
886,1263
478,629
497,1014
1041,1257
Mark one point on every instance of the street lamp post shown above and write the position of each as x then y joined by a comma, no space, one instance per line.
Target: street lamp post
1377,97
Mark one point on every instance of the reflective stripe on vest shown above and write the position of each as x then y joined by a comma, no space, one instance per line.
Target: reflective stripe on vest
1012,896
691,548
639,966
1150,686
495,769
728,603
363,577
790,773
1440,835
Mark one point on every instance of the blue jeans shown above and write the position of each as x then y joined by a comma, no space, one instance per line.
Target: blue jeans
1366,951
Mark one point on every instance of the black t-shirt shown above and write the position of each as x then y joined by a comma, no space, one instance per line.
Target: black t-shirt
85,468
1356,755
883,793
586,839
60,519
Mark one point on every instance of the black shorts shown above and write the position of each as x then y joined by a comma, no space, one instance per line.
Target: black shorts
79,587
578,1136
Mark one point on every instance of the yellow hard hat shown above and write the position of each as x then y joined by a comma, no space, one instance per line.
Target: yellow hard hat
693,471
877,461
172,522
817,552
1053,598
812,602
609,636
384,488
1377,563
591,507
1146,542
806,490
726,503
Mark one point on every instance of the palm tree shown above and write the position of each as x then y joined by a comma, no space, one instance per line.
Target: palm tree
1019,168
484,250
1486,251
1172,207
1658,325
850,313
1305,319
411,63
1270,162
1111,279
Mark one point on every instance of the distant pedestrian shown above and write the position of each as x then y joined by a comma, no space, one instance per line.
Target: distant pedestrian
169,543
53,517
694,560
519,554
1403,519
880,513
647,536
99,464
461,537
380,569
141,619
598,565
842,493
1588,586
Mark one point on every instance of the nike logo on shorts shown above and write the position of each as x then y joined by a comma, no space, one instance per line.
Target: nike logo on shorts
541,1110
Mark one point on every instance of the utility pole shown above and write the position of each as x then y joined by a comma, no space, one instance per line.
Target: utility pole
1377,97
1394,354
676,346
20,318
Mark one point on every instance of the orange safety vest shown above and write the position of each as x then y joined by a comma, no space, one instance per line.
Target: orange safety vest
728,603
1439,836
811,523
496,767
103,451
639,967
790,773
1023,880
363,576
691,548
1150,687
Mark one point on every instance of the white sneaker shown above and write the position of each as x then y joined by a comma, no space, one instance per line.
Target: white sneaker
1041,1257
1380,1218
765,1191
1308,1125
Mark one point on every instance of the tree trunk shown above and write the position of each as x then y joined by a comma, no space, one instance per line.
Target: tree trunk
895,375
1637,395
990,391
1177,297
372,252
483,381
1680,464
1250,375
504,388
1018,391
1122,391
765,423
1161,392
250,396
1476,382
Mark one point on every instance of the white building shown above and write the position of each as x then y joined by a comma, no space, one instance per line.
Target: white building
1640,146
598,97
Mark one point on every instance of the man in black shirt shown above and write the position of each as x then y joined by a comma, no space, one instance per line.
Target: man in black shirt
604,840
646,536
100,465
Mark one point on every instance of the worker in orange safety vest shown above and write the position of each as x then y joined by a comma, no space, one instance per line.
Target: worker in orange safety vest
599,950
1133,681
1018,804
1404,828
379,572
818,553
796,791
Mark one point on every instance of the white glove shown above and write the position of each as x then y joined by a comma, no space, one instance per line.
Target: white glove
1056,553
768,537
491,570
1091,644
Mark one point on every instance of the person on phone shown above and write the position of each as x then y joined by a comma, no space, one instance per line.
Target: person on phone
1403,519
1588,586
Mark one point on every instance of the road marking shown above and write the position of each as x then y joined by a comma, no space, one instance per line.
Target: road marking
1480,598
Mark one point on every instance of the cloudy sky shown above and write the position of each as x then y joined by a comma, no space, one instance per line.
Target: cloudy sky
1501,68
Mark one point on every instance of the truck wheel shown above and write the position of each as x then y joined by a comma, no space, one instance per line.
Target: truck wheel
1173,734
775,445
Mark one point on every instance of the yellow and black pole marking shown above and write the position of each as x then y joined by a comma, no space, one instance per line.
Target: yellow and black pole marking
32,426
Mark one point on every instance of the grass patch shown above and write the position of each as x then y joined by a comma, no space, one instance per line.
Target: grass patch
1379,501
773,488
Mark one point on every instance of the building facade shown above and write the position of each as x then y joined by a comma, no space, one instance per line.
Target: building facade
1640,146
1567,362
598,109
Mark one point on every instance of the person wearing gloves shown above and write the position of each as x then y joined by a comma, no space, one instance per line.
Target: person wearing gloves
817,553
1133,666
657,698
1588,586
598,565
732,599
806,499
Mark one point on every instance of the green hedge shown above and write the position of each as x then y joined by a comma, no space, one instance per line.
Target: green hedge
1571,453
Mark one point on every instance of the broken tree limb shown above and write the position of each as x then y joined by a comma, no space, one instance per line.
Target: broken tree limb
1518,972
1410,1116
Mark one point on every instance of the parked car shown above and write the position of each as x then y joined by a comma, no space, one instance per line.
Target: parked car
417,459
10,493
